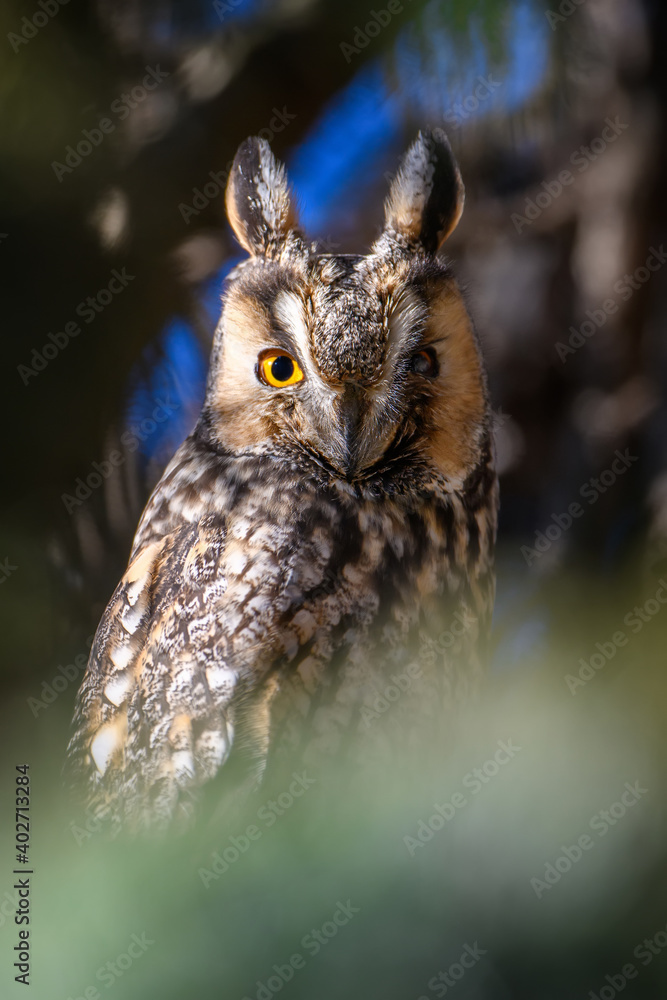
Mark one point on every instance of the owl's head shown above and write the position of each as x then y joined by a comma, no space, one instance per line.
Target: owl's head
359,363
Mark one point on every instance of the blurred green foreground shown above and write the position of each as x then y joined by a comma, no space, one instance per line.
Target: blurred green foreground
529,863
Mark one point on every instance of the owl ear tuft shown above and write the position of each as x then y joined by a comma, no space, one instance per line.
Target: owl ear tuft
426,197
258,201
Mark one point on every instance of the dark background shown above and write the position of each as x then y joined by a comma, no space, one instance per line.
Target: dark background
536,262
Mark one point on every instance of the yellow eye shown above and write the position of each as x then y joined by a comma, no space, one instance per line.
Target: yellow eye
277,368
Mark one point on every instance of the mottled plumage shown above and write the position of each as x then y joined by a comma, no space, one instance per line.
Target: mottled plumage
311,537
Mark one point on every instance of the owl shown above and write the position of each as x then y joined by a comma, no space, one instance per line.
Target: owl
327,529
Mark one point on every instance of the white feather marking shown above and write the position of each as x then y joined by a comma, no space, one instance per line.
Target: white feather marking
183,764
104,745
191,511
220,679
240,528
122,656
259,604
117,689
131,617
262,571
290,313
236,560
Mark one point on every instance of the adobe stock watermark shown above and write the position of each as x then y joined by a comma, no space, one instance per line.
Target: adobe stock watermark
46,10
499,418
91,825
65,676
603,821
111,971
121,108
87,310
312,943
131,440
377,20
645,951
398,684
581,159
213,188
635,620
565,9
224,7
474,781
6,569
267,814
442,982
401,682
462,110
591,491
624,288
9,906
459,625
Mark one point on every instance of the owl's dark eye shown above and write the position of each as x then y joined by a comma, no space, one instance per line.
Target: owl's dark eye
425,363
277,368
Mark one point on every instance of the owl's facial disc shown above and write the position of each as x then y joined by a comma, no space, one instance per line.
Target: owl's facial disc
359,366
367,364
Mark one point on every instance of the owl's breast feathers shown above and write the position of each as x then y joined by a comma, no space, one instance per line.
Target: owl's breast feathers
249,577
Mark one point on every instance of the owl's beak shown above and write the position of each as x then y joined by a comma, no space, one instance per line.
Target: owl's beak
355,448
346,440
350,414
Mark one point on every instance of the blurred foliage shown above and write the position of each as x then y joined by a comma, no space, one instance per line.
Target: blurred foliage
217,931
